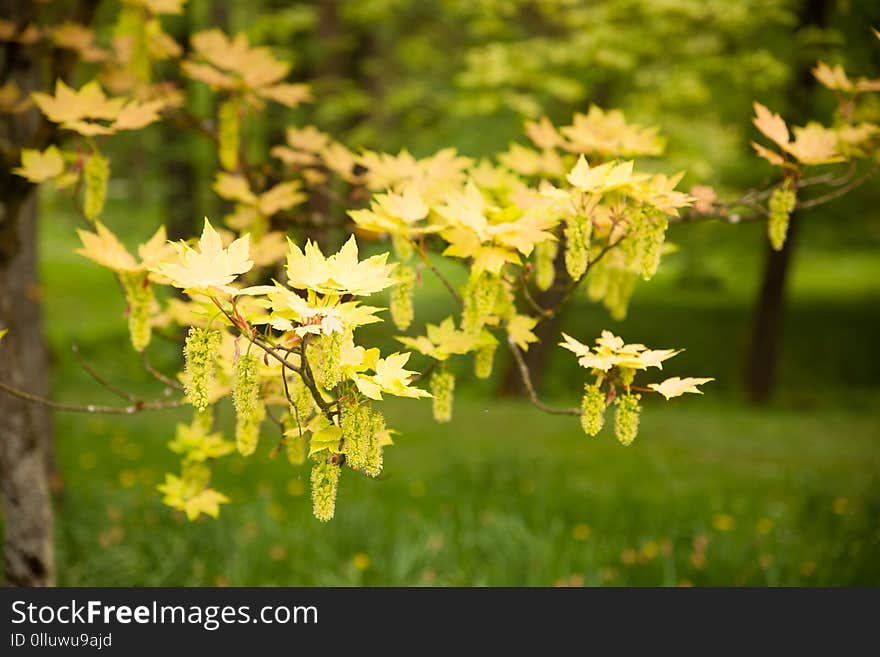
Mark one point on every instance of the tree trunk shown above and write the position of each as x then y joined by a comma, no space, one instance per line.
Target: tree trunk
25,431
547,332
769,307
766,328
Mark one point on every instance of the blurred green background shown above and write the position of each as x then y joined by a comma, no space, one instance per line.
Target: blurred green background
714,491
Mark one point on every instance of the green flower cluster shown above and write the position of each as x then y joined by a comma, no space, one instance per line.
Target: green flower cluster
228,129
401,305
780,205
545,264
442,389
96,173
626,418
592,409
140,299
249,410
325,485
578,231
200,355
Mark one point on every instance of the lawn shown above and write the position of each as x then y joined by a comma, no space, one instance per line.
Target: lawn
713,492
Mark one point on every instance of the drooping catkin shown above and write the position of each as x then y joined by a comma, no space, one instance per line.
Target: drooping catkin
375,451
621,285
401,305
139,297
324,356
325,485
651,238
356,428
484,358
578,230
403,248
200,355
545,264
626,418
303,402
229,128
249,411
295,440
780,205
96,174
443,391
480,299
592,409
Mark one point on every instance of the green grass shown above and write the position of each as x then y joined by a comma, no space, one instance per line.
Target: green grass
502,496
711,493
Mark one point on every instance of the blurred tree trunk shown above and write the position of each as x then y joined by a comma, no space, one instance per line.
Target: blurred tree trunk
766,335
766,328
547,332
25,429
26,447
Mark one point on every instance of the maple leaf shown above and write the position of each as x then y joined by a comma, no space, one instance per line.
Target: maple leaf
196,445
677,386
543,134
772,157
340,273
611,351
815,144
443,340
391,378
282,196
210,267
609,135
232,63
104,248
771,125
603,178
38,167
180,494
519,329
77,37
90,112
832,77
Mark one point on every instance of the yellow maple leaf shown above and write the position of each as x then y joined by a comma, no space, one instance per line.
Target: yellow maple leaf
90,111
609,135
104,248
543,134
210,267
815,144
677,386
340,273
771,125
519,329
603,178
39,167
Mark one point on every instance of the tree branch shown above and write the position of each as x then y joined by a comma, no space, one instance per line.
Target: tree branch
138,406
530,388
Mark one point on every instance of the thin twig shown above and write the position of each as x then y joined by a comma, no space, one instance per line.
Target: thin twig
420,249
156,374
530,388
137,407
116,390
837,193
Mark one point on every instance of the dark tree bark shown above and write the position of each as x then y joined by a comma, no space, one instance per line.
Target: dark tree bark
767,326
26,447
547,332
25,430
766,335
